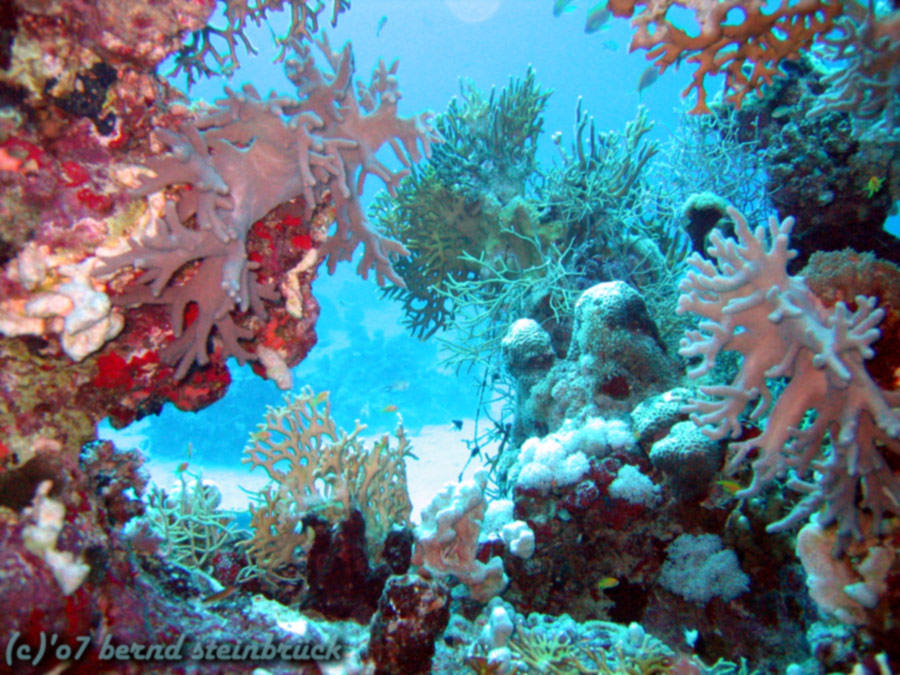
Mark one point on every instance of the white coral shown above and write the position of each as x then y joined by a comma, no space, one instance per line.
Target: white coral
750,304
40,538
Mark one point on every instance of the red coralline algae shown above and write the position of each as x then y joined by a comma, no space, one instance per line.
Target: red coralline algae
75,174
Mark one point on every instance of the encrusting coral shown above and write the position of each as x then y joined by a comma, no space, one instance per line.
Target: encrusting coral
750,304
327,148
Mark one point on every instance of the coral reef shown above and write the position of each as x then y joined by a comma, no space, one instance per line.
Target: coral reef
68,569
81,99
144,241
615,357
143,293
865,85
836,177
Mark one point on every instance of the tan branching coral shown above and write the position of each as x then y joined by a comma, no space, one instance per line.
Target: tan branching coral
315,465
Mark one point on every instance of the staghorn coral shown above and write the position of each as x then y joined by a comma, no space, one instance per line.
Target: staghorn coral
316,466
747,51
327,148
752,306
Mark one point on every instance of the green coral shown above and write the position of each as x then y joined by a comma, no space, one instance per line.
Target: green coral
468,200
600,174
189,523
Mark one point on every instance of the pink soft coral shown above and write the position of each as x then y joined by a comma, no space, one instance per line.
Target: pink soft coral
750,304
244,158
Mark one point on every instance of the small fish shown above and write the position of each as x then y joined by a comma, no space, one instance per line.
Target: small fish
781,111
691,636
221,595
399,385
607,582
561,7
389,408
261,435
730,486
457,424
648,77
873,186
182,467
381,22
610,45
597,17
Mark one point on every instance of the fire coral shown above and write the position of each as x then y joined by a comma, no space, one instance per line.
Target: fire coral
242,159
759,40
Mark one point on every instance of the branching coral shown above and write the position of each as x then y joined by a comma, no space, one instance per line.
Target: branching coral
318,466
747,50
600,172
191,527
241,160
304,23
598,194
749,304
486,305
492,140
468,200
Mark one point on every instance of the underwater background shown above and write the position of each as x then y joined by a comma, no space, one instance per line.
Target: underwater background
619,394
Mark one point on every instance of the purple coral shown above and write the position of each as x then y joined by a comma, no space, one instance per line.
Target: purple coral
244,158
751,305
